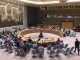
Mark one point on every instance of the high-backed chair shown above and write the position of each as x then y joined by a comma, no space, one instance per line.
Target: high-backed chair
71,50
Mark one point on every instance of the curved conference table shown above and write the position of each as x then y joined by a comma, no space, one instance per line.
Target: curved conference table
28,31
43,40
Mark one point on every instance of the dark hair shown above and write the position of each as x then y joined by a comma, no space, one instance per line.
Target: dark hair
24,42
29,37
76,39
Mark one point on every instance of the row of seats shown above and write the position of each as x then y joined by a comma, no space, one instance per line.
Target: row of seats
38,50
59,49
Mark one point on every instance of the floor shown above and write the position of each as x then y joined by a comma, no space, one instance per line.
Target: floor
70,40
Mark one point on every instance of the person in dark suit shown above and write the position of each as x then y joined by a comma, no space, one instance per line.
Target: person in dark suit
41,35
30,40
77,46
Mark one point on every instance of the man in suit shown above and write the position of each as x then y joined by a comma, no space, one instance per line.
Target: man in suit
30,40
41,35
77,46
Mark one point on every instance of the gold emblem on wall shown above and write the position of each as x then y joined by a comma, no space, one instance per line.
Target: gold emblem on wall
8,11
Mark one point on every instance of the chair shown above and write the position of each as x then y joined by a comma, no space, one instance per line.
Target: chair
67,51
51,52
40,51
71,50
22,52
34,52
10,49
1,43
65,46
49,47
57,52
17,51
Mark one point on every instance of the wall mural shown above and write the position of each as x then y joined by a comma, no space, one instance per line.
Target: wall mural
10,14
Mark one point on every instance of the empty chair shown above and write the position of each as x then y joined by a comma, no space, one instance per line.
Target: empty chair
7,45
73,34
26,47
57,52
34,52
1,43
71,50
51,52
61,45
17,51
22,52
10,49
40,51
65,46
34,46
67,51
34,49
49,47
